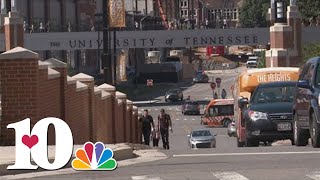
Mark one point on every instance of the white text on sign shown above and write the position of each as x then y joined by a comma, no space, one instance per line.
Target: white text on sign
273,77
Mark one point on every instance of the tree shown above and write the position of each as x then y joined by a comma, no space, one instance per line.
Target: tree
310,51
309,9
254,13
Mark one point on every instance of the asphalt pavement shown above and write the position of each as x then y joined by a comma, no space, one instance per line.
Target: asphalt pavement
225,162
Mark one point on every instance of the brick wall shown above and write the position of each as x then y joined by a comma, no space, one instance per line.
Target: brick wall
36,90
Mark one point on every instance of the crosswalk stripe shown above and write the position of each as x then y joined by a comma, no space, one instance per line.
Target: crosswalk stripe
314,175
145,178
229,176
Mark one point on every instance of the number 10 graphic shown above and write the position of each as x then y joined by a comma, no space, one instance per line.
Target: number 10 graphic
35,144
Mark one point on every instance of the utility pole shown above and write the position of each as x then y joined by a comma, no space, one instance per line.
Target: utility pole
106,49
146,4
192,14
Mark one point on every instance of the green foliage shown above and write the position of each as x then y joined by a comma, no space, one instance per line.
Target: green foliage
310,51
262,60
309,9
254,13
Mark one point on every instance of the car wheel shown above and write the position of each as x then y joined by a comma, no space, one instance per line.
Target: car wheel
314,131
240,144
166,100
299,135
251,143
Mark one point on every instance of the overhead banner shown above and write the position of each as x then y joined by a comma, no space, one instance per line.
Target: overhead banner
117,13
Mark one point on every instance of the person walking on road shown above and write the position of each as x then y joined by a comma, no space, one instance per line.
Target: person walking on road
165,124
147,126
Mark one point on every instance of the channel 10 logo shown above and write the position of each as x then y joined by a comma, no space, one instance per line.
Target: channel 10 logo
35,145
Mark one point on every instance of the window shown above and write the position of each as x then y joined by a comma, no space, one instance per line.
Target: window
273,94
181,13
181,3
225,110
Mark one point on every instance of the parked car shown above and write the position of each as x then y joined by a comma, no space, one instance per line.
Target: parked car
252,62
191,107
232,130
174,95
306,107
201,78
202,139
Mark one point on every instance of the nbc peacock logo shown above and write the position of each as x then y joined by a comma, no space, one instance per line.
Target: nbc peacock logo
94,157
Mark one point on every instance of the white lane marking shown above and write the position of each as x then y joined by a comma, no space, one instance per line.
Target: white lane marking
241,154
156,109
193,119
314,175
170,109
177,119
40,174
186,119
229,176
145,178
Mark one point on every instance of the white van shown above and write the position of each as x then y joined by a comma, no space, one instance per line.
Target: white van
252,62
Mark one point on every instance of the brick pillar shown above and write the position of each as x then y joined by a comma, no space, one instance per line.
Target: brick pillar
18,89
121,99
13,28
134,124
110,122
129,134
61,67
89,81
285,41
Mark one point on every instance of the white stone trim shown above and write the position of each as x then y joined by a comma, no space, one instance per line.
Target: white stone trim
279,52
135,108
55,63
278,27
120,95
53,74
119,101
70,80
43,65
97,91
107,88
129,102
105,95
80,86
19,53
83,77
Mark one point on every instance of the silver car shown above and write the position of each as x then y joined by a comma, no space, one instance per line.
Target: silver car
202,139
232,131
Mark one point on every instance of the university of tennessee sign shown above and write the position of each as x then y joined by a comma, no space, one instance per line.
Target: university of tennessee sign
148,39
155,39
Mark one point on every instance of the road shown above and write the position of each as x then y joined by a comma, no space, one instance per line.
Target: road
225,162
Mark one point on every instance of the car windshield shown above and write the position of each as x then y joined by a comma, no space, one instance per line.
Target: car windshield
172,91
192,104
200,133
273,95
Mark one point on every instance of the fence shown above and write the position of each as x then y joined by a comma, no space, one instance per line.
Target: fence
34,89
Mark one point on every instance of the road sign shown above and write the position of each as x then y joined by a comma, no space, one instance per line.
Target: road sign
213,86
149,82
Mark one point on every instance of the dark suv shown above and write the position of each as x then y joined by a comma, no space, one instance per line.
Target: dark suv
306,105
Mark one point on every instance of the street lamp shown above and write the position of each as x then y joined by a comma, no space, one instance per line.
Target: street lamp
280,11
106,49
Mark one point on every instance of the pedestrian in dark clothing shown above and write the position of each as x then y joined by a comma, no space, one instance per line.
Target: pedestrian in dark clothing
216,96
164,123
147,126
156,137
223,94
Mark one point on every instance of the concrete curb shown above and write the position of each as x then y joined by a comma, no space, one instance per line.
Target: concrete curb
121,152
147,155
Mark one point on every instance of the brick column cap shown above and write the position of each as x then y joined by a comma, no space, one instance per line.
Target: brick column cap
97,91
52,74
135,108
279,52
107,88
279,27
129,102
83,77
121,95
19,53
81,86
43,65
105,95
55,63
70,80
